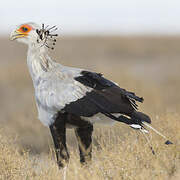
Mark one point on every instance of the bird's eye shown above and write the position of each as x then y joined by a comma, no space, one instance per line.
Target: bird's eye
24,29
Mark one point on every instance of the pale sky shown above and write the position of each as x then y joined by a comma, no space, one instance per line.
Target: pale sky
94,16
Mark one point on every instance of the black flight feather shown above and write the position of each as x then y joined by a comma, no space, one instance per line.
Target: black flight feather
106,97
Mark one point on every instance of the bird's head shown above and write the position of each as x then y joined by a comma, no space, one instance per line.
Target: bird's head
34,35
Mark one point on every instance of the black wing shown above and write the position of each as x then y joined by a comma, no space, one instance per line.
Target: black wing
106,97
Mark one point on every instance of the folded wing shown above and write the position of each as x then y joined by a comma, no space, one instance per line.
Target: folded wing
105,97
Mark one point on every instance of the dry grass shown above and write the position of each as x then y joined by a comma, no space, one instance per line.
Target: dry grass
149,66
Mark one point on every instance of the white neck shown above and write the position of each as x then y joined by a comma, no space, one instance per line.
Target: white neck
38,61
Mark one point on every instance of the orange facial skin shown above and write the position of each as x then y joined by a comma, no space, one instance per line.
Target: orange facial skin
24,29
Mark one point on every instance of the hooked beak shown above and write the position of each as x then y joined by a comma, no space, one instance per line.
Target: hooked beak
16,34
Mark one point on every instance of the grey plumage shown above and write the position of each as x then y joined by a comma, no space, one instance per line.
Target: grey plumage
73,97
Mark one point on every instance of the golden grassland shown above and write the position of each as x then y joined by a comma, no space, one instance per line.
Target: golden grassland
148,66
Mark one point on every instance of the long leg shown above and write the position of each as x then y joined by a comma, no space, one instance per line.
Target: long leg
84,136
58,131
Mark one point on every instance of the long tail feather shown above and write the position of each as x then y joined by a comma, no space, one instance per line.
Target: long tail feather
149,143
156,131
138,121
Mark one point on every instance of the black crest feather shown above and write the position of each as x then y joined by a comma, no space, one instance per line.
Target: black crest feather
46,35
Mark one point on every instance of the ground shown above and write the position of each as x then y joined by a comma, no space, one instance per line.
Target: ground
148,66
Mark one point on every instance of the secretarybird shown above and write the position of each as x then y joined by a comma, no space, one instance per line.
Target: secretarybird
69,97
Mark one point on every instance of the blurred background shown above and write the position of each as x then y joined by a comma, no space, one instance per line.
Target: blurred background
134,42
100,17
